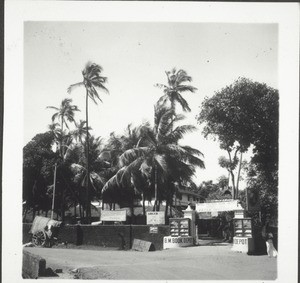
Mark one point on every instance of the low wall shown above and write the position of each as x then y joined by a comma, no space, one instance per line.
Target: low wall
33,265
119,236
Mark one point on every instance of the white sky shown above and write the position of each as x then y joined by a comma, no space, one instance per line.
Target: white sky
135,57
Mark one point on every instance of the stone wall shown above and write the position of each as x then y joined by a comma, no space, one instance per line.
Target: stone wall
33,265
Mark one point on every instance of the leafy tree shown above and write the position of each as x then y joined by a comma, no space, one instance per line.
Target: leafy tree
214,191
38,164
242,114
92,80
223,182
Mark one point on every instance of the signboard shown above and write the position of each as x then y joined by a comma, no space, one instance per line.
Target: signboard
141,246
113,215
242,227
218,206
153,229
205,215
175,242
243,244
155,218
179,227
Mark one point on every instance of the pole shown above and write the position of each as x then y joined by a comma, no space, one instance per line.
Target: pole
53,197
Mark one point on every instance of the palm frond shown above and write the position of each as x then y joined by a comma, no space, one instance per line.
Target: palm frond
52,107
74,86
179,132
161,86
183,102
54,116
193,151
161,162
184,88
132,154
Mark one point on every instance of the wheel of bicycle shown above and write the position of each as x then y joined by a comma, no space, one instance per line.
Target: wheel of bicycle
39,238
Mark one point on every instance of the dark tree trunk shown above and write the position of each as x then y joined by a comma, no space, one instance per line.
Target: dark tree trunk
239,174
171,204
144,208
233,185
88,203
63,204
166,211
155,188
80,211
33,214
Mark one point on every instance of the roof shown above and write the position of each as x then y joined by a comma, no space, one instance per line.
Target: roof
188,192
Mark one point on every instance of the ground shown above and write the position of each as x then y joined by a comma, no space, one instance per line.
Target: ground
212,262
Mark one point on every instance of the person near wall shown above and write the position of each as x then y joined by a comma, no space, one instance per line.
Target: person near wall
272,252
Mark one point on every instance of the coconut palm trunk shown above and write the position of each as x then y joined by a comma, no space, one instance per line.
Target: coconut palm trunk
92,80
88,204
54,185
143,200
155,188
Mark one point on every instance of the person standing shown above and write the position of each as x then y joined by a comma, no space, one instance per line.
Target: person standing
272,252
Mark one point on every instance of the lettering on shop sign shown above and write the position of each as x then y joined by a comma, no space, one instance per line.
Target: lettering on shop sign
141,246
240,241
178,240
155,218
218,206
113,215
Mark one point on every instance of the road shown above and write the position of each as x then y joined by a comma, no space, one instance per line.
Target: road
191,263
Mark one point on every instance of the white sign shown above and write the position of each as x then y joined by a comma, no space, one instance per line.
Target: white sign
176,242
229,205
243,244
155,218
113,215
153,229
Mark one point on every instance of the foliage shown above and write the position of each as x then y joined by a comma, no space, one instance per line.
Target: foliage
38,164
158,157
92,80
243,114
213,191
175,87
65,112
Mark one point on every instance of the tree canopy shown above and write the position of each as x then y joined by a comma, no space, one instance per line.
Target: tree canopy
244,114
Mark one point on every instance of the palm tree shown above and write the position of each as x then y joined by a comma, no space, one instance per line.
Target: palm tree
80,132
158,154
98,166
92,80
65,112
175,87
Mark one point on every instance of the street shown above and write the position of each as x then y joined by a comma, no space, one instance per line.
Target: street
192,263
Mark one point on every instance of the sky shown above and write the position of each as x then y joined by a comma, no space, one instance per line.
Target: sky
134,57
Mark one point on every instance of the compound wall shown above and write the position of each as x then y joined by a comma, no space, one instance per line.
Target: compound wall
118,236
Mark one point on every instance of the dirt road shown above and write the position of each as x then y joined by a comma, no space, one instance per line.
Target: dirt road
200,262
